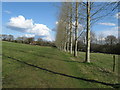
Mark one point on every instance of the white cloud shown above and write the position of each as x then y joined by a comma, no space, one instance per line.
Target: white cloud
101,38
117,15
108,24
80,27
109,31
26,25
56,22
29,35
49,38
20,23
8,12
40,30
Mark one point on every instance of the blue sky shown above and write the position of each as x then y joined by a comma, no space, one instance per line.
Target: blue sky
44,14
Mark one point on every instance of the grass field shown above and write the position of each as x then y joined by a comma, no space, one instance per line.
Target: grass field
28,66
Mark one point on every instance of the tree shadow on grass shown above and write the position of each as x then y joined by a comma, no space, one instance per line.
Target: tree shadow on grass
50,57
54,72
46,56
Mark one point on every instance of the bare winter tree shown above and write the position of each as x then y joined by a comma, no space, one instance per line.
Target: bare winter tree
71,29
65,21
111,40
94,14
84,13
101,38
76,29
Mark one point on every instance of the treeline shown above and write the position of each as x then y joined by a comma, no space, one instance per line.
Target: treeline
109,44
76,18
26,40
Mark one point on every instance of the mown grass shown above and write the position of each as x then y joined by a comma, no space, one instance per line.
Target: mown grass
20,75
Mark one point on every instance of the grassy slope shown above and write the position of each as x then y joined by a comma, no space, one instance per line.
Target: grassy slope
16,74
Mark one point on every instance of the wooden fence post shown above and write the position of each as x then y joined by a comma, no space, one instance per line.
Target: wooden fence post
114,64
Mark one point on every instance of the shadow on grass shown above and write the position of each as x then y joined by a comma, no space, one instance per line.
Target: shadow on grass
54,72
49,57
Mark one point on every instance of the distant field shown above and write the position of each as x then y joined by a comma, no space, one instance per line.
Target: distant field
28,66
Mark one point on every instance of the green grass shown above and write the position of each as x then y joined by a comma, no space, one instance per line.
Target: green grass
20,75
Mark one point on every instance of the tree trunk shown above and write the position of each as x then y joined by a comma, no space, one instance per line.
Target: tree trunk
76,30
71,40
68,45
88,34
68,38
65,46
71,32
62,46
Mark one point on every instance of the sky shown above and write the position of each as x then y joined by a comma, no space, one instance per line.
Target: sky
38,19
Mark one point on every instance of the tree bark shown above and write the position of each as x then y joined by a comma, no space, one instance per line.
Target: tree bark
65,46
71,31
88,33
68,42
76,30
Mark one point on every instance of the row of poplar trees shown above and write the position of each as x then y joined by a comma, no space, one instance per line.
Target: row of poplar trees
76,18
